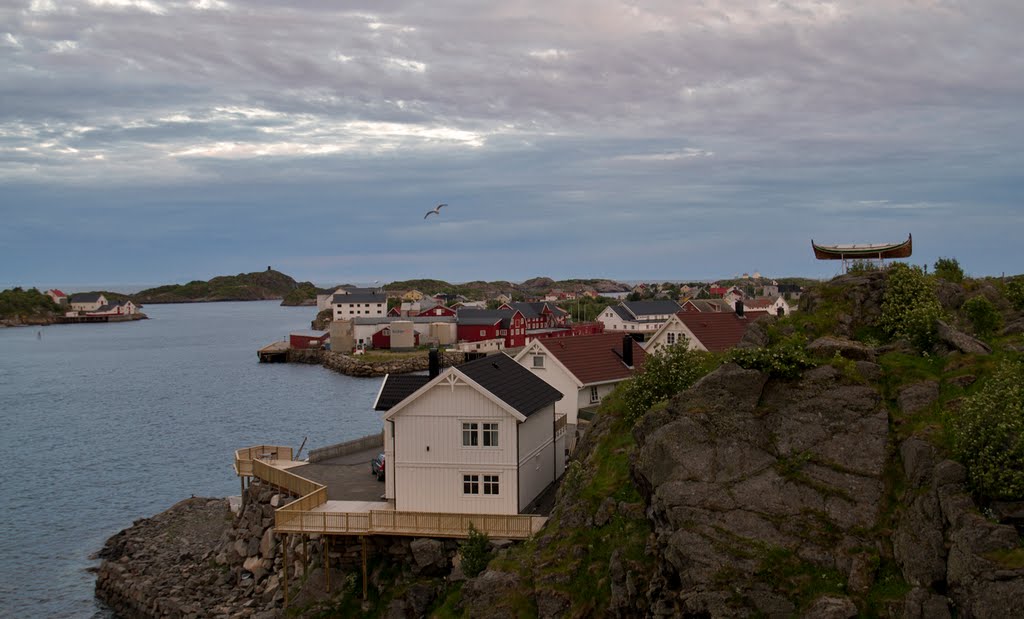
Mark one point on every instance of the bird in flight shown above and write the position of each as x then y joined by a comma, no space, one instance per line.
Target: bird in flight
435,211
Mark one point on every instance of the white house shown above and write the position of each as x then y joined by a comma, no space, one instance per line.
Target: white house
88,301
480,438
57,296
584,368
637,316
775,306
116,308
714,331
359,305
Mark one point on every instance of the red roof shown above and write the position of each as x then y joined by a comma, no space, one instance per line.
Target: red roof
595,358
760,302
58,293
718,331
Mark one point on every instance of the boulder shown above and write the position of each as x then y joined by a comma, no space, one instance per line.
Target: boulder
957,340
428,555
827,347
918,396
482,595
831,607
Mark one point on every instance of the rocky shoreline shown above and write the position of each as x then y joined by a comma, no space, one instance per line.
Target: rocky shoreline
199,559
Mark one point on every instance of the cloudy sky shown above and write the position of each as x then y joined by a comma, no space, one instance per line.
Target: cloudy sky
161,141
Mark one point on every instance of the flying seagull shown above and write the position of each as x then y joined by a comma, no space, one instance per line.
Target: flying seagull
435,211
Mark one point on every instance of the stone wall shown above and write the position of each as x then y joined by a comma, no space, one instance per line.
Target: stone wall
346,448
354,366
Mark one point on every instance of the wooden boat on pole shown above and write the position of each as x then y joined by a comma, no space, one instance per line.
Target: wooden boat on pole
864,251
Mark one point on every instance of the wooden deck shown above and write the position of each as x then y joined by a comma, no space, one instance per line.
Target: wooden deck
313,513
276,352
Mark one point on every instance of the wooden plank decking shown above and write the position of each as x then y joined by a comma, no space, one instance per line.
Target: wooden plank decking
313,513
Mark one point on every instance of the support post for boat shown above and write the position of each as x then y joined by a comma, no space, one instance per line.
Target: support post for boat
327,562
363,538
284,567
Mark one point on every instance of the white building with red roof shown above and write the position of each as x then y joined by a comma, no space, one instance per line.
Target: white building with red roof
711,331
583,368
58,297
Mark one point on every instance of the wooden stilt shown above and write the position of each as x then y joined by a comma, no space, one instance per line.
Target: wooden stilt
327,562
305,557
365,579
284,567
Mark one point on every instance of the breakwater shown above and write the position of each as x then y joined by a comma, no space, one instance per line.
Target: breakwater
351,365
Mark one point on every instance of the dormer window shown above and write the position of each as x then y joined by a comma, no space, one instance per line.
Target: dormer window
538,361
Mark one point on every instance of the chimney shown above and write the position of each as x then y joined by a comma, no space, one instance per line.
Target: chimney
435,363
739,308
627,350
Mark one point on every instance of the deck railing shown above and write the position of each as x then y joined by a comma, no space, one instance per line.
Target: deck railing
299,515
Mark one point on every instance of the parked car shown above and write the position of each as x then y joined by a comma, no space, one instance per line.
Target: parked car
377,467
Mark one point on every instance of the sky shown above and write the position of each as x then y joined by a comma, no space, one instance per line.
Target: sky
147,142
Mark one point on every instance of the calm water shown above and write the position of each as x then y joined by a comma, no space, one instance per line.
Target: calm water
101,424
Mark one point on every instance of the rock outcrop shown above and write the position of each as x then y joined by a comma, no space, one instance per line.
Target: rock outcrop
355,366
743,472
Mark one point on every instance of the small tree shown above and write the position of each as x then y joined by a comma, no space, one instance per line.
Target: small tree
1015,293
984,317
666,373
475,551
949,270
910,308
988,434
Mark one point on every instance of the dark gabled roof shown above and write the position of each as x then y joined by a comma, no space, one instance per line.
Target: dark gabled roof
536,309
640,309
596,358
360,298
86,297
472,316
511,383
379,320
396,388
622,312
710,305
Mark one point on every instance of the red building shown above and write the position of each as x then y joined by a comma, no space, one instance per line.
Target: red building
540,315
382,339
308,339
475,325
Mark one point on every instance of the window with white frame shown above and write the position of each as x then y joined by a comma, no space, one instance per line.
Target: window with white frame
671,337
470,484
490,432
538,361
469,434
491,485
594,397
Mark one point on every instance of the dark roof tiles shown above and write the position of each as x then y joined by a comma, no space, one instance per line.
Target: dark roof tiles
511,383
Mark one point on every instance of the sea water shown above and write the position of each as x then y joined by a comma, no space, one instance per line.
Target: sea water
102,424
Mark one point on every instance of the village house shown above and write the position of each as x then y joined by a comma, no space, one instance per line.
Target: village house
115,308
308,339
777,306
509,325
325,301
480,438
712,331
87,301
706,305
57,296
637,316
583,368
359,304
377,332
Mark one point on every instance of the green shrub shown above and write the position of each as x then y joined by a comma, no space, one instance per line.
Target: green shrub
988,434
476,552
787,359
858,267
949,270
1015,293
910,308
666,373
984,317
